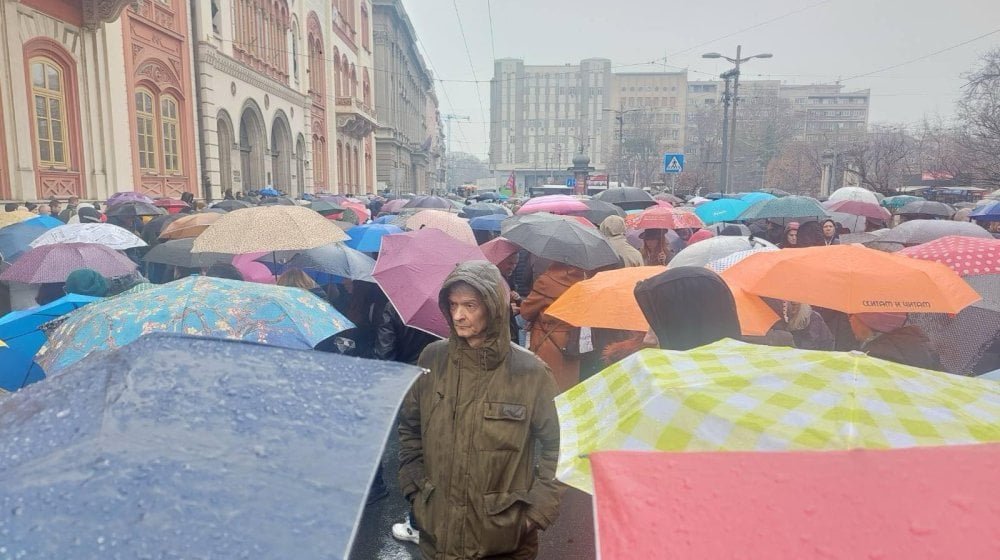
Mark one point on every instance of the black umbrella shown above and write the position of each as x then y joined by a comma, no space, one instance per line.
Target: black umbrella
482,209
133,210
230,205
927,208
628,198
326,207
178,253
490,195
178,447
276,200
599,210
429,202
151,231
560,239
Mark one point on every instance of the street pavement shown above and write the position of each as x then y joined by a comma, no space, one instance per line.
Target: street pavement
571,538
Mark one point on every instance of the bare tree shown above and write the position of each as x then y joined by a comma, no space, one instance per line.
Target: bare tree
878,160
702,149
796,168
465,168
979,111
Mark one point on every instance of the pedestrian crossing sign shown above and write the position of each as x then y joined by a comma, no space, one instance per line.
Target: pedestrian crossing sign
673,163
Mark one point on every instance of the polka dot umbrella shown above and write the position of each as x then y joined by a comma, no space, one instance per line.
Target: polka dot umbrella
967,256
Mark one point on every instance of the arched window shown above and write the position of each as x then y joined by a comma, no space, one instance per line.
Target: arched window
336,73
345,78
357,168
366,87
365,31
340,163
169,125
260,28
295,50
145,124
48,89
354,81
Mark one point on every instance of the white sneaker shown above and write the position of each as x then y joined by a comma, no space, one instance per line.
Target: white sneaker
404,532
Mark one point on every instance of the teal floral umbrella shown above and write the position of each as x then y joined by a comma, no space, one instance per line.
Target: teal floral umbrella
198,306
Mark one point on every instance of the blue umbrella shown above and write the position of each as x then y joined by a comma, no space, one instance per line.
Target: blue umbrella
178,447
21,329
15,238
368,238
268,191
721,210
387,219
197,305
755,197
987,213
488,223
18,370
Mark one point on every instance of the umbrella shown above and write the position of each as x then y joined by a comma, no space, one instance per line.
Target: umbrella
725,263
723,210
857,208
53,263
337,259
191,225
554,204
965,255
230,205
18,370
498,250
852,222
838,504
894,203
429,202
15,239
21,329
133,210
915,232
359,211
628,198
178,253
368,238
776,192
268,191
393,206
662,217
445,221
671,198
411,269
786,207
268,228
326,207
607,301
960,341
853,279
171,205
754,197
17,216
560,239
482,209
733,396
962,215
717,228
704,252
151,230
929,208
277,201
986,213
600,211
109,235
487,223
132,196
197,305
853,193
178,447
253,271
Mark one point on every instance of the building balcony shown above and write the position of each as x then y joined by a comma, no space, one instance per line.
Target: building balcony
355,117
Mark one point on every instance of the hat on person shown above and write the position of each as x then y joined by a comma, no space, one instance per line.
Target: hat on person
882,322
793,225
88,215
651,233
86,282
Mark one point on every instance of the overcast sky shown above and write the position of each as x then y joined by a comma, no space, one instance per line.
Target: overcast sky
812,41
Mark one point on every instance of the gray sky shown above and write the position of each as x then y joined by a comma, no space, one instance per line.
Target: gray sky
812,41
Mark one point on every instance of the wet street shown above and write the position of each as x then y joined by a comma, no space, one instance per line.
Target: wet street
571,538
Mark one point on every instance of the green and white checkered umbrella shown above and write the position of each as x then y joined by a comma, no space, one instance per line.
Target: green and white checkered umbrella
732,396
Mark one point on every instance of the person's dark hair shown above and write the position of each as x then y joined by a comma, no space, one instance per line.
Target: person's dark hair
47,293
30,206
10,207
224,270
688,307
731,231
811,234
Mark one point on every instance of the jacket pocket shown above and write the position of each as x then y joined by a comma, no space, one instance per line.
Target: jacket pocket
503,523
504,427
423,514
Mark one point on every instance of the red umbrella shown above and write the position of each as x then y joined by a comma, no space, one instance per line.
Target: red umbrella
497,250
555,204
172,206
663,217
412,267
916,503
968,256
858,208
53,263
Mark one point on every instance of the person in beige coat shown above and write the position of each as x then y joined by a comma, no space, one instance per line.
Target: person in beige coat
613,229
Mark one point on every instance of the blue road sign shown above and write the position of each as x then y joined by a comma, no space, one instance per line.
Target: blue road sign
673,163
571,182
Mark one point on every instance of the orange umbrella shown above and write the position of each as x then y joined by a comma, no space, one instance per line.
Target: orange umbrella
853,279
189,226
606,301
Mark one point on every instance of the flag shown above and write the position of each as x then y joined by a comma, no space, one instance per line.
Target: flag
512,184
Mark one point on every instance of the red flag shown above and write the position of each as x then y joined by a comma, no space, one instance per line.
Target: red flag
920,502
512,184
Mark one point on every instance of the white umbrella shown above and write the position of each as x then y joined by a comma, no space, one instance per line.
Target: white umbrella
109,235
853,193
715,248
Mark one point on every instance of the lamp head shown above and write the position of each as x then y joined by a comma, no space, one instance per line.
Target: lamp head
711,55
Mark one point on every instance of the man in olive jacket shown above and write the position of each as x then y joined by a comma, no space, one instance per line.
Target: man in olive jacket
468,429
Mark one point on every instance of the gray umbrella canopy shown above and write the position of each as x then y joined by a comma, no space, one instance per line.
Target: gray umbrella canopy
927,208
786,207
600,210
337,259
178,253
715,248
915,232
559,239
628,198
961,341
482,209
177,447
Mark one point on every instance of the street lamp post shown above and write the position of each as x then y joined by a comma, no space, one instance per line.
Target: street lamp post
736,95
620,115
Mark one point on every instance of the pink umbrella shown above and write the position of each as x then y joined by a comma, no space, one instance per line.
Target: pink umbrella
252,270
660,217
555,204
412,267
53,263
858,208
131,196
444,221
393,206
497,250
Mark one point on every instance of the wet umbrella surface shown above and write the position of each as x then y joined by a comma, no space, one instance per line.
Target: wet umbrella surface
176,447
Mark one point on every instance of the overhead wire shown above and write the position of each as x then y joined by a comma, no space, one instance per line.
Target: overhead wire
925,56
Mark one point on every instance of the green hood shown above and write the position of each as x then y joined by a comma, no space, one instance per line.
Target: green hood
485,278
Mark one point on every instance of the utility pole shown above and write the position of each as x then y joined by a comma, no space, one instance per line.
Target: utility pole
448,118
724,168
620,115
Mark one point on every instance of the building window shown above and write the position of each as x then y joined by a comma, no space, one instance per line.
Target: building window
144,126
365,31
48,88
168,120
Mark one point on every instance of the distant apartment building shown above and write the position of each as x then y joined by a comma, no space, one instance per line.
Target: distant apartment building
826,111
542,115
659,102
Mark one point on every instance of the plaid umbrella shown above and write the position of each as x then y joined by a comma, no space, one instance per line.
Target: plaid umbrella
268,228
109,235
172,205
53,263
732,396
445,221
787,207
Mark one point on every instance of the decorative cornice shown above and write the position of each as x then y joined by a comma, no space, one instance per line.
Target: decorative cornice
96,12
208,55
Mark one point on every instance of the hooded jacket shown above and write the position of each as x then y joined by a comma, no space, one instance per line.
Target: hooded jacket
550,336
613,229
688,307
467,431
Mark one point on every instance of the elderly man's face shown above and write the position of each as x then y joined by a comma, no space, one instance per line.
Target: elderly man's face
468,314
44,210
